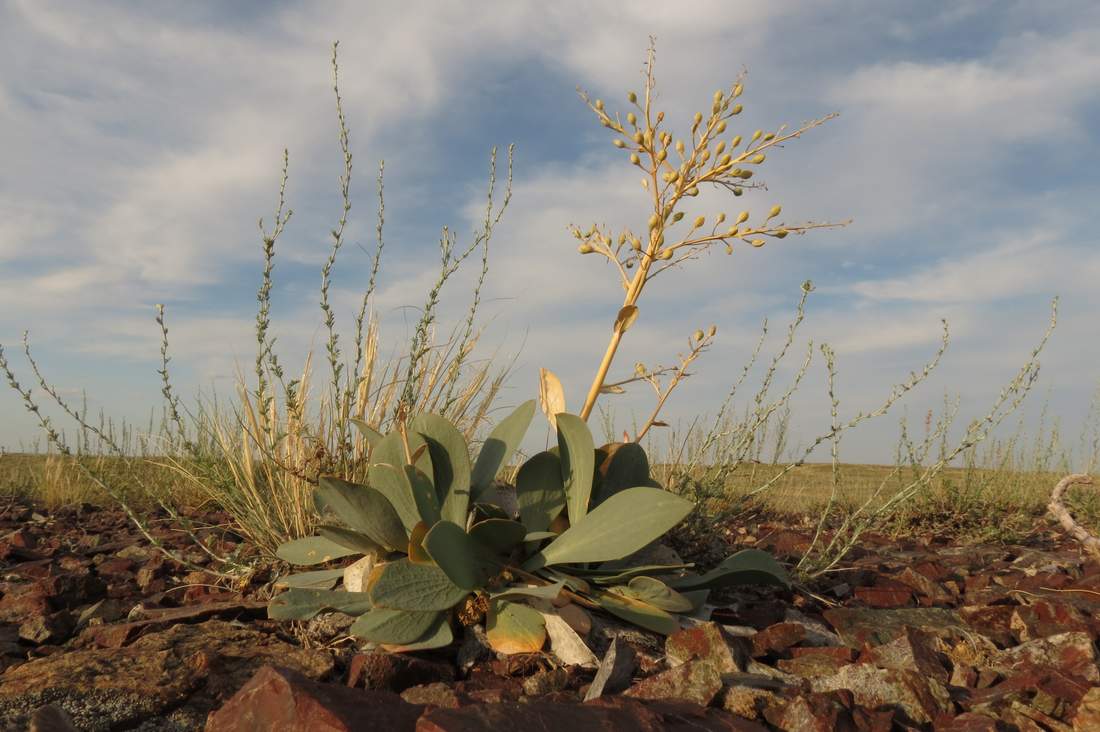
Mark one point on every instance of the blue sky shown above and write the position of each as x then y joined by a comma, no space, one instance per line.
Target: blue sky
140,143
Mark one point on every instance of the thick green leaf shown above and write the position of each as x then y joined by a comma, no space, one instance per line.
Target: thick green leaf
606,575
390,450
540,536
365,510
312,550
500,536
626,466
499,446
322,579
513,627
371,435
542,592
540,491
423,492
402,585
392,482
622,524
578,460
450,463
394,626
353,540
303,604
746,567
465,561
639,613
658,594
438,636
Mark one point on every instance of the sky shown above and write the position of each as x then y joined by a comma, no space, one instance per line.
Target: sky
141,142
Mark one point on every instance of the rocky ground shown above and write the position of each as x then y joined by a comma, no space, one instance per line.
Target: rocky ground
98,631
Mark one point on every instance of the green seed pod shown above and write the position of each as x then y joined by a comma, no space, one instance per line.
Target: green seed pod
737,91
742,217
631,118
654,222
732,231
716,108
713,331
721,217
599,104
699,221
720,127
665,254
636,244
635,159
729,249
660,240
661,155
622,238
737,108
718,95
720,148
735,142
757,243
676,217
768,137
756,135
781,234
725,159
632,97
618,143
680,146
758,158
746,174
738,191
776,209
698,118
639,368
667,176
637,137
585,249
693,191
698,335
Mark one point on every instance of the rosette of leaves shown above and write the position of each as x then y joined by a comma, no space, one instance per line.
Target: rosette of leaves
447,550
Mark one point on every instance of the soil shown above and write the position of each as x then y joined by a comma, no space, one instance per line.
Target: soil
100,631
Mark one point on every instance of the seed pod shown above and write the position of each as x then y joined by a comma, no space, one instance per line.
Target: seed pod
698,118
647,138
660,117
757,243
635,159
737,91
676,217
781,234
699,221
622,238
729,249
716,108
719,148
599,104
585,249
746,174
720,127
660,240
680,146
618,143
668,176
718,95
637,137
742,217
737,108
721,217
758,158
776,209
735,142
769,136
631,118
636,244
713,331
661,155
693,191
632,97
732,231
738,191
725,160
698,335
665,254
639,368
654,222
756,135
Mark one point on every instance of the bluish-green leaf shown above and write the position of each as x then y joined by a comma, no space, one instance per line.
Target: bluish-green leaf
303,604
499,536
513,627
465,561
351,540
500,445
423,492
578,459
625,467
639,613
371,435
542,592
312,550
394,626
746,567
321,579
365,510
402,585
438,636
622,524
450,464
540,491
658,594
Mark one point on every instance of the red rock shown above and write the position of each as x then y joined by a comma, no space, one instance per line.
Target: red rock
776,639
1087,716
879,597
1044,618
841,653
873,720
117,636
914,649
704,642
116,566
993,621
697,681
866,626
1070,653
920,697
72,589
395,672
438,694
48,629
925,586
25,603
278,699
811,667
969,722
818,712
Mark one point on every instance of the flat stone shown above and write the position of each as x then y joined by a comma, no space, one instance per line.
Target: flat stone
703,642
969,722
395,672
913,649
1044,618
697,681
858,627
1071,653
438,694
48,629
816,712
776,639
1087,716
279,699
920,697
